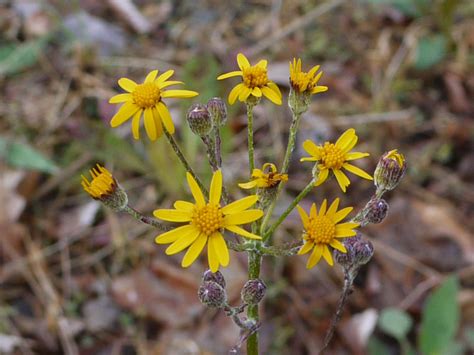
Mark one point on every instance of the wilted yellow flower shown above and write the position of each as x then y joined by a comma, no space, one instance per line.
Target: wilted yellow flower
254,82
102,184
305,82
321,230
147,99
206,223
266,177
335,157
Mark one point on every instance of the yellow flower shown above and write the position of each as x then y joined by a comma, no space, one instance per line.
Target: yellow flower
146,99
206,222
254,82
305,82
321,230
102,184
267,177
334,157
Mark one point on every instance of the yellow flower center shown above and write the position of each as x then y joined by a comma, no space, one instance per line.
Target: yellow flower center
208,219
146,95
320,229
102,182
302,81
255,77
331,156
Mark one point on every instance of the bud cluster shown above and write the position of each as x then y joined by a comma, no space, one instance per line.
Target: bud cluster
359,252
212,292
202,118
253,291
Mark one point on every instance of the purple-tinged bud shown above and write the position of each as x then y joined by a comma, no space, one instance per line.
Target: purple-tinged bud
253,291
218,111
212,295
199,120
359,252
390,170
216,277
376,210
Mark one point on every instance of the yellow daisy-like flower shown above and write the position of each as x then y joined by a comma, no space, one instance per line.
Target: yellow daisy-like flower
254,82
266,177
305,82
146,100
335,157
206,223
102,184
321,230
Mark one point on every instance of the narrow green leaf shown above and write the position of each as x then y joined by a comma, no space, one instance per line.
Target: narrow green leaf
395,323
21,155
430,51
14,59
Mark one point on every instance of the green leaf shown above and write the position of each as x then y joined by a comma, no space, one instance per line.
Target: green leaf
395,323
23,156
430,51
14,59
440,319
377,347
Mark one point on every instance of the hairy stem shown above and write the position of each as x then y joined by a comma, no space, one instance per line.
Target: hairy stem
215,161
183,160
145,219
254,262
250,107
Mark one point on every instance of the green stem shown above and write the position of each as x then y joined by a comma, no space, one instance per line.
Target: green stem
250,107
290,208
286,163
183,160
254,262
145,219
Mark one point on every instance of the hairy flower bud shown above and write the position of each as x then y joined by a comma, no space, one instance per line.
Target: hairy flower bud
359,252
216,277
390,170
212,294
217,110
199,120
376,210
253,291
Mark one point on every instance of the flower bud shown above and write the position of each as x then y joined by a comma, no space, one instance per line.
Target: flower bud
217,110
253,291
376,210
390,170
216,277
359,252
105,188
298,101
199,120
212,295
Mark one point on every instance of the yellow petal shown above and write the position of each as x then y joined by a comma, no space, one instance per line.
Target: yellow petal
173,215
347,225
151,76
313,70
345,138
127,84
357,171
158,124
271,95
342,179
136,124
124,113
169,83
120,98
184,206
309,159
274,87
355,155
194,250
230,75
303,215
165,76
315,256
257,92
235,92
242,61
340,215
322,177
306,248
182,242
248,185
183,94
165,117
216,188
242,217
312,149
322,209
327,255
319,89
262,63
333,208
240,231
195,190
240,205
174,234
336,244
212,256
244,93
217,240
313,212
150,126
345,233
